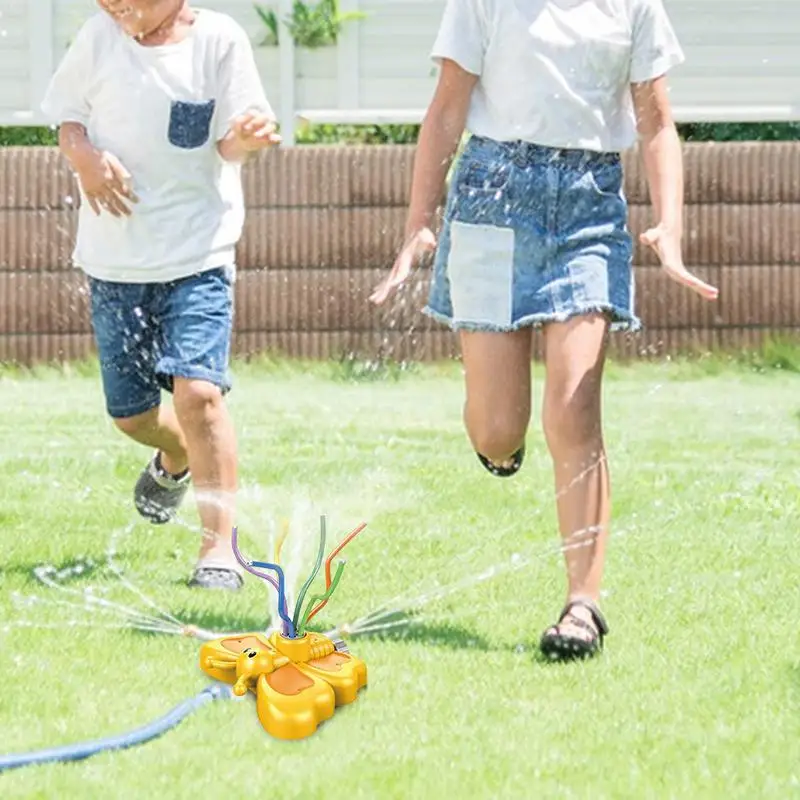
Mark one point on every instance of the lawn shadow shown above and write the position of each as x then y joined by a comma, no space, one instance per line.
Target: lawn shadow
71,569
223,623
406,629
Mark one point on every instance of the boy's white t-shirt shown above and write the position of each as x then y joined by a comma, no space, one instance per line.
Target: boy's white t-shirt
557,72
160,111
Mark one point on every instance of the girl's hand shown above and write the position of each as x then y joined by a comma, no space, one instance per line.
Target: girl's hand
106,184
667,246
419,243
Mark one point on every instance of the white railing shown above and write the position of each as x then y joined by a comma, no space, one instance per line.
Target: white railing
743,63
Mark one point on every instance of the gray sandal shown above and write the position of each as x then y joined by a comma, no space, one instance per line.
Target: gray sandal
216,578
157,494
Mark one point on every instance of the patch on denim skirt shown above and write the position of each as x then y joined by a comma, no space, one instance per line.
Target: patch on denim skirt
480,269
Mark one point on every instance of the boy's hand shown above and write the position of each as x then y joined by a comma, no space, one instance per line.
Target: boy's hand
248,133
667,246
106,184
254,132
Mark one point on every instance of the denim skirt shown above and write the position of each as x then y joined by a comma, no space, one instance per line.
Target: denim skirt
533,235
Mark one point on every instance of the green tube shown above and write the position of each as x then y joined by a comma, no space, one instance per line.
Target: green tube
307,584
318,598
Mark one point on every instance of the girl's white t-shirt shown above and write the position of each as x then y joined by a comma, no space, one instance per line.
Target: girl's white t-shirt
557,72
160,111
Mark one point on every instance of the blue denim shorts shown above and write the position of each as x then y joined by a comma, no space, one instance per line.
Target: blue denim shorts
533,235
150,333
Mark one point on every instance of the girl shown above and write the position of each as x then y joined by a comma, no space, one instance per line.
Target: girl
535,234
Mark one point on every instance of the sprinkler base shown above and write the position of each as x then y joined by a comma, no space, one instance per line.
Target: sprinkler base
297,682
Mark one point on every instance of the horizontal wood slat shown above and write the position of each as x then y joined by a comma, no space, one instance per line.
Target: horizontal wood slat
715,235
333,176
337,300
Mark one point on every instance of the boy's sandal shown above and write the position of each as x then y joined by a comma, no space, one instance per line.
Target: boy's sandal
157,494
504,472
214,578
559,646
214,574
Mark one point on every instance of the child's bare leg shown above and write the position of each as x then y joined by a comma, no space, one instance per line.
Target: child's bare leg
158,428
211,447
497,370
574,354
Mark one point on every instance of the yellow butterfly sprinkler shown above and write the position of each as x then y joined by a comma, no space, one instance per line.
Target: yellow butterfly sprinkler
298,678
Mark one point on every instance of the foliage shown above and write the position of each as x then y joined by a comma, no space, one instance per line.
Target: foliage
407,134
270,20
24,136
357,134
311,25
739,131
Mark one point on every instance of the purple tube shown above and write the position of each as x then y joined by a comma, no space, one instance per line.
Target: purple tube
258,573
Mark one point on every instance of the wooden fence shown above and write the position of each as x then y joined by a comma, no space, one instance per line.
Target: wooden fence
323,223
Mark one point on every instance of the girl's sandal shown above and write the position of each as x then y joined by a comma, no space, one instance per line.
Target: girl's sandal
558,646
504,472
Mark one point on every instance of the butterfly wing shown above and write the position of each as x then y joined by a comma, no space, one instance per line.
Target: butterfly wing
218,657
292,704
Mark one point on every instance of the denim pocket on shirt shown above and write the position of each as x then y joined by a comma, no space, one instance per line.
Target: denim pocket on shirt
190,123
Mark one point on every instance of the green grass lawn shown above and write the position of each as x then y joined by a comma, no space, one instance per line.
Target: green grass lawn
697,694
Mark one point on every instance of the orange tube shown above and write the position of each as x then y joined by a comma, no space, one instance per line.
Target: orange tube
347,539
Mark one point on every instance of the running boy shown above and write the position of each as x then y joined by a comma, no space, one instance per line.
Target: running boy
158,104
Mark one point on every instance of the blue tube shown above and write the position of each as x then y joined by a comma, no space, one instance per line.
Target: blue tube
77,752
282,610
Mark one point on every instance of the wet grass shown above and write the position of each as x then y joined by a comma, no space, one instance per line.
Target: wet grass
697,695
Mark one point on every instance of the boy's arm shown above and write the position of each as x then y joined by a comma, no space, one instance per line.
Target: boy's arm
245,121
105,182
73,141
67,96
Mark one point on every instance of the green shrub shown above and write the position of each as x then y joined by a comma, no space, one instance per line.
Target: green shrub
311,24
739,131
407,134
25,136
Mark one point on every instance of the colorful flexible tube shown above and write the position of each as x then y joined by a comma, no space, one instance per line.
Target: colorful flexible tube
304,590
347,539
279,585
324,597
281,539
246,564
287,620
